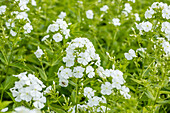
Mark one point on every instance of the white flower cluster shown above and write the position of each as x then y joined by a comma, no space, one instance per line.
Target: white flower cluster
10,24
117,81
80,55
93,102
157,7
29,88
60,28
23,4
82,52
2,9
23,109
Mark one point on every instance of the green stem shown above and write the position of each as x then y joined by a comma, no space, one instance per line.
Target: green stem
76,95
2,95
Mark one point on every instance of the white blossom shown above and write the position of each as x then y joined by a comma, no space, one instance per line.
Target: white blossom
130,54
116,21
89,14
2,9
39,52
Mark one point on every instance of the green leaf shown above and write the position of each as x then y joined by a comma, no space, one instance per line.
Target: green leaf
73,96
149,95
72,83
164,92
21,66
32,58
3,60
137,81
42,74
164,102
57,109
9,82
4,104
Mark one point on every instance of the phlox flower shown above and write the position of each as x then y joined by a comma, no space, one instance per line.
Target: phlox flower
39,52
130,54
89,14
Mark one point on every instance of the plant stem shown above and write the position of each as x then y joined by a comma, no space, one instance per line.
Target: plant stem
76,95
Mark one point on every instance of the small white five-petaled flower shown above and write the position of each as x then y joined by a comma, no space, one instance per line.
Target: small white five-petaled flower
39,52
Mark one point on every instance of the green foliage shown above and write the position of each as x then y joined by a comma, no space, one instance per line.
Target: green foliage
146,75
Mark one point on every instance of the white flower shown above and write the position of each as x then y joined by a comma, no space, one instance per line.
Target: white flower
63,82
100,71
132,1
104,8
65,73
128,8
166,27
106,89
94,101
78,72
45,37
124,91
89,92
166,46
25,94
57,37
130,54
91,75
137,17
53,28
39,102
2,9
22,15
5,109
149,13
89,14
33,2
9,24
117,77
147,26
125,12
48,89
155,5
62,15
13,33
84,58
39,52
66,32
141,49
28,27
166,13
22,109
69,60
116,21
63,24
